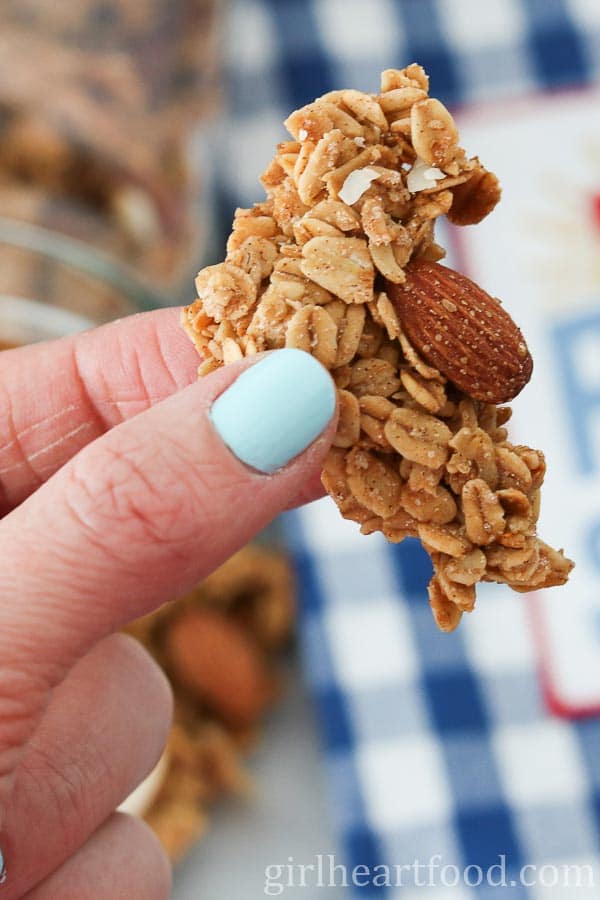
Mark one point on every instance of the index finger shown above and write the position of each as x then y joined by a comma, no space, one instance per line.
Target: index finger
59,396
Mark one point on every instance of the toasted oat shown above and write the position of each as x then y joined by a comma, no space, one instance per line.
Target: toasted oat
351,200
433,132
312,329
341,265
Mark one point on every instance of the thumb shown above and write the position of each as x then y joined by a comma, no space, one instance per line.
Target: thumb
143,513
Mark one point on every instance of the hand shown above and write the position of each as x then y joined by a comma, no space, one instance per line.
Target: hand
121,486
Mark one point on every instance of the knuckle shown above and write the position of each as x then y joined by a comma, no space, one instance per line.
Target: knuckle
14,461
125,498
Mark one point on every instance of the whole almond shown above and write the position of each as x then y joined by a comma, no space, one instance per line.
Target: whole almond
215,659
462,331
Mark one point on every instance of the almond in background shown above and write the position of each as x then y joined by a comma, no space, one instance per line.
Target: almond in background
215,660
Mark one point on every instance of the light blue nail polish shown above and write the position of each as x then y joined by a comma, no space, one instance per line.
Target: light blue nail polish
275,409
2,869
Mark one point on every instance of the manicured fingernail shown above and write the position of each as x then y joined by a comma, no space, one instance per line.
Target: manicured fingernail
2,869
275,409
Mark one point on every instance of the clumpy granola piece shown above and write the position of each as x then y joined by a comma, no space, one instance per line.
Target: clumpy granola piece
340,260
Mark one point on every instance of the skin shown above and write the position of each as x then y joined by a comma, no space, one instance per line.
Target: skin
116,494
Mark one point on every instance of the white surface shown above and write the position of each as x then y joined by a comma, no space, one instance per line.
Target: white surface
498,637
370,644
251,39
287,818
476,25
353,36
404,781
557,775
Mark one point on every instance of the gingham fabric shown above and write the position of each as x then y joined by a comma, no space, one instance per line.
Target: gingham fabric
434,744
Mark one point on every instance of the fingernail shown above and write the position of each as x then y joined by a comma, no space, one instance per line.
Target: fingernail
275,409
2,869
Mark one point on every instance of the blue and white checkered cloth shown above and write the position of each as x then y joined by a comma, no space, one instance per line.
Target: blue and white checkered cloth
434,744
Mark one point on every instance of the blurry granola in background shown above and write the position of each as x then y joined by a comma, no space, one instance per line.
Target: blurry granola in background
100,107
220,647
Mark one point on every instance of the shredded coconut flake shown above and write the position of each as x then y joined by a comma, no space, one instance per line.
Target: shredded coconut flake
422,176
359,141
356,184
302,134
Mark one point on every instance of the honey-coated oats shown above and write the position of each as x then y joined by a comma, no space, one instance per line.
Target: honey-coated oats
352,199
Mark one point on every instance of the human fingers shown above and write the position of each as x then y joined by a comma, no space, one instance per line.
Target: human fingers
104,730
121,861
142,514
59,396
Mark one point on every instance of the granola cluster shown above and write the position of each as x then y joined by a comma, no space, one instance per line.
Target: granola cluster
98,104
219,648
351,200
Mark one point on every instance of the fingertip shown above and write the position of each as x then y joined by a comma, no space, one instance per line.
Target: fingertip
159,871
